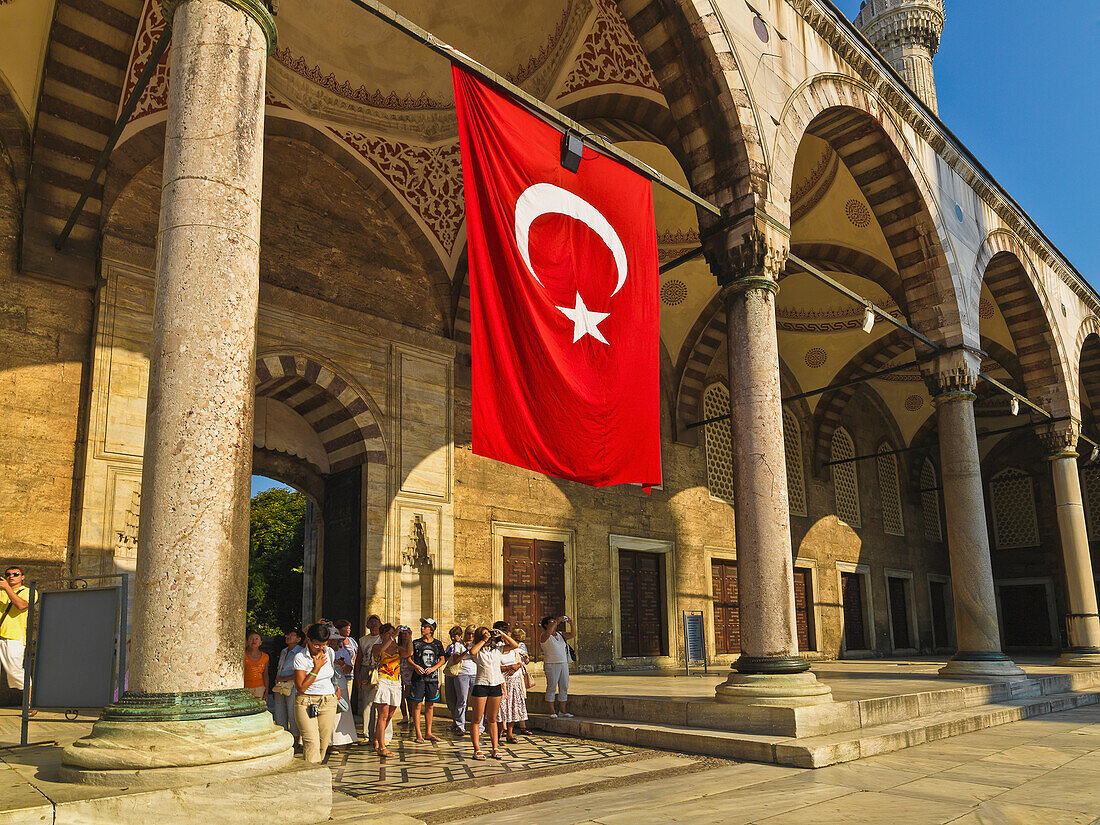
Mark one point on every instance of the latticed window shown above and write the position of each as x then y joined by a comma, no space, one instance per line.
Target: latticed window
1012,499
1090,481
792,443
716,402
889,492
845,481
930,502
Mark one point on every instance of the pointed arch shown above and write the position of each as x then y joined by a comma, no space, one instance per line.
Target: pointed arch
341,413
1004,266
852,118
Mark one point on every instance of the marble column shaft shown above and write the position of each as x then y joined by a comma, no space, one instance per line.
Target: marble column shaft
977,631
1083,625
189,604
764,559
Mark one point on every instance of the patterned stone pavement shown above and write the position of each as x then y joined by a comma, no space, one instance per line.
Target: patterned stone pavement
359,771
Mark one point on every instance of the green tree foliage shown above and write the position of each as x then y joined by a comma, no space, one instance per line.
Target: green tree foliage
276,549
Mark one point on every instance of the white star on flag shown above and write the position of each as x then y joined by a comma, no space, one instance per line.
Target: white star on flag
585,321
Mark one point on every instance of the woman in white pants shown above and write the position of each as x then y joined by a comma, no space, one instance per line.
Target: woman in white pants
555,661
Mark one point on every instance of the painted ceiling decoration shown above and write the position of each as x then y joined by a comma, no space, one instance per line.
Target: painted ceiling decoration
808,193
610,56
406,136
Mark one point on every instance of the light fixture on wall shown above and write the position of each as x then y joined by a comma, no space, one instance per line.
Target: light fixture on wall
868,319
1095,455
1014,405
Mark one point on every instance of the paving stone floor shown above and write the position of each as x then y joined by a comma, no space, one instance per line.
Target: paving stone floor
1042,771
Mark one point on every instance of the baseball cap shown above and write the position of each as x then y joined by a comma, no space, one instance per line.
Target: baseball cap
429,622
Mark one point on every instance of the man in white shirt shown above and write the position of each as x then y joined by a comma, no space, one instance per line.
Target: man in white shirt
364,678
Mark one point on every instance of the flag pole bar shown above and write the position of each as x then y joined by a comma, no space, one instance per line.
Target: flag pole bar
598,142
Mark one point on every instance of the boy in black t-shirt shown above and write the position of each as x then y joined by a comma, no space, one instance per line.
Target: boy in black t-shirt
428,657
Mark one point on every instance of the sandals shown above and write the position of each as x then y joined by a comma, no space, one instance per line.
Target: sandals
496,755
511,740
432,737
383,752
478,755
420,740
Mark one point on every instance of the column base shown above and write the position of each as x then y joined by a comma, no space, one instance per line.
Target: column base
980,666
1079,657
780,681
161,740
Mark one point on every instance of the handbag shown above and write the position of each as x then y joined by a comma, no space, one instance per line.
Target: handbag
572,652
283,688
453,669
528,680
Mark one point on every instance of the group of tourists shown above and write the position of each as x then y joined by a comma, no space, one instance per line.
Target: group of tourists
481,674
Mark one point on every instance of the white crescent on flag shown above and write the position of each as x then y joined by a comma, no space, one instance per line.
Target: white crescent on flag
543,198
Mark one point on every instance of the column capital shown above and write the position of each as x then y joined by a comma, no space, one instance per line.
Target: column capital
952,375
256,9
750,255
1060,439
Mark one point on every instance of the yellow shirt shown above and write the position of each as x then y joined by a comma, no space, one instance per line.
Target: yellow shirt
14,625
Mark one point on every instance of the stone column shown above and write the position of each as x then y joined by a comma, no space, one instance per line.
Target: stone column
186,716
1082,625
979,655
769,670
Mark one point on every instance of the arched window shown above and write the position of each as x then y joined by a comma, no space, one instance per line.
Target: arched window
1012,500
1090,486
845,481
716,402
792,444
930,502
889,493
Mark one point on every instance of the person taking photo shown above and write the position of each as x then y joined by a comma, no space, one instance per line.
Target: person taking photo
315,705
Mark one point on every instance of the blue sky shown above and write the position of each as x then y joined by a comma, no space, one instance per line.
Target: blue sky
1018,83
261,483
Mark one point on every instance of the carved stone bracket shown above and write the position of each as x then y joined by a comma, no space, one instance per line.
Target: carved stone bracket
952,375
1060,439
752,254
256,9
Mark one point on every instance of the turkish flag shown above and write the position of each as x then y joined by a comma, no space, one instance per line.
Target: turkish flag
563,299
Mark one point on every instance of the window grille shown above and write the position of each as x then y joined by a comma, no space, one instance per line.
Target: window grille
792,444
716,402
930,502
845,481
889,493
1090,478
1012,499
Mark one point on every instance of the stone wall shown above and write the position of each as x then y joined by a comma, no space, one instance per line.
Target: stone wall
44,351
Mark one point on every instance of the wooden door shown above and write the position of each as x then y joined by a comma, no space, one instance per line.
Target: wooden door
803,608
1025,616
899,612
727,620
534,584
642,619
937,593
855,635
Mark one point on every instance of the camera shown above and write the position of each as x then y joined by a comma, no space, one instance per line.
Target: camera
312,711
494,634
327,633
404,627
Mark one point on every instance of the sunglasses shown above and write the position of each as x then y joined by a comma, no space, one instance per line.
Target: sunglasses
10,575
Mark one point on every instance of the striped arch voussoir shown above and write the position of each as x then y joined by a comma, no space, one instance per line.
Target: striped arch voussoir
341,414
1006,270
851,118
1087,359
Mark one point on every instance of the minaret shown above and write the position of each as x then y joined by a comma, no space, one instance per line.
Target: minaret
907,33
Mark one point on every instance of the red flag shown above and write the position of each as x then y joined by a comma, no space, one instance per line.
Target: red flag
563,299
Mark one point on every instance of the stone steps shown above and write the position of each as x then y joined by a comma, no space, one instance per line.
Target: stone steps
826,749
347,810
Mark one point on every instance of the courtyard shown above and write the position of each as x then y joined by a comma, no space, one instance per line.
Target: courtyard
1044,771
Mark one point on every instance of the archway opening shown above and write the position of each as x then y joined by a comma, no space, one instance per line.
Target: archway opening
276,556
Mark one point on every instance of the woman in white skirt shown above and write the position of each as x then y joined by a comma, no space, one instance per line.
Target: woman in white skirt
513,705
345,733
